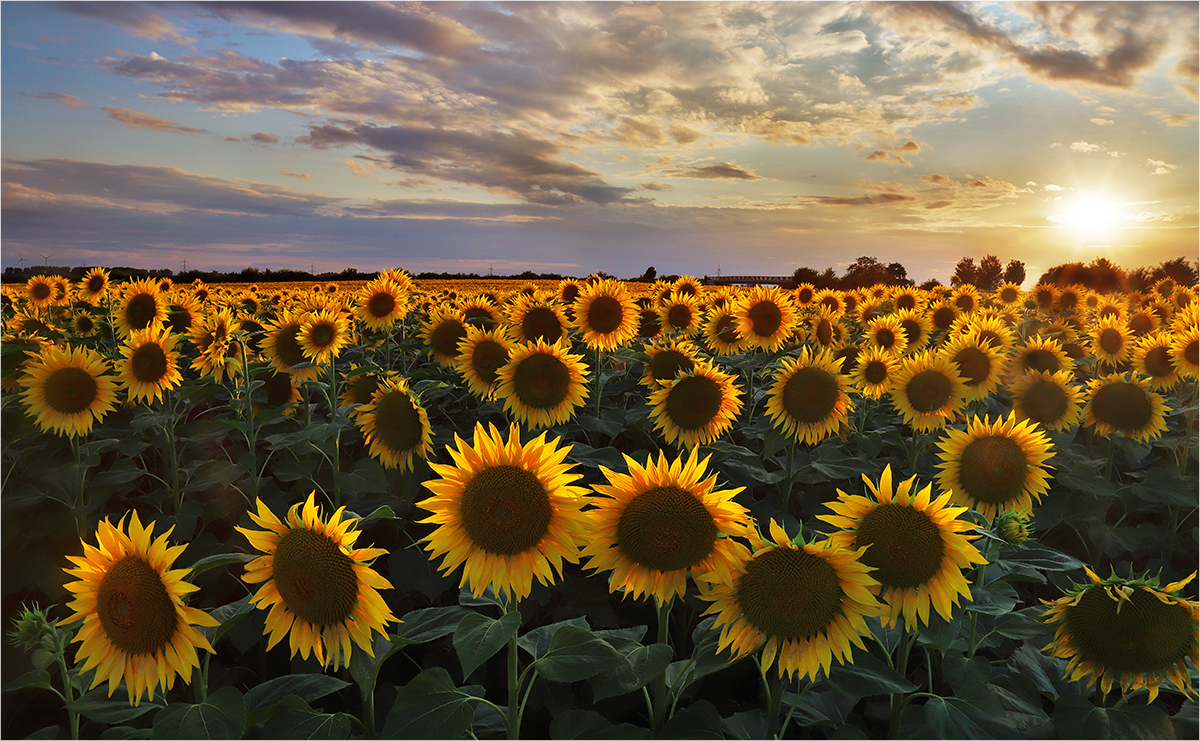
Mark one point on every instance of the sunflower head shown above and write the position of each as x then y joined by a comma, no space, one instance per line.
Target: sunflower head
481,354
149,363
395,425
928,390
323,335
680,313
696,407
506,512
665,359
317,586
1128,632
808,399
914,542
67,391
381,303
1125,404
542,384
142,306
995,466
532,319
1012,527
606,315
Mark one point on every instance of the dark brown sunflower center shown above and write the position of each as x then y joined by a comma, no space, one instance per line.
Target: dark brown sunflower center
134,608
1009,295
1045,298
811,395
906,302
605,314
679,316
381,304
693,402
991,337
804,295
885,338
279,389
70,390
95,284
570,292
541,322
993,469
140,310
487,357
149,363
973,364
445,337
943,317
505,510
665,364
1138,635
789,593
849,357
287,347
397,421
542,381
314,577
1141,324
1108,311
875,372
727,330
40,291
912,330
648,323
765,318
906,546
1111,341
84,324
1068,301
666,528
824,332
1044,401
929,391
322,334
1158,362
1041,360
1123,405
1191,352
965,302
179,319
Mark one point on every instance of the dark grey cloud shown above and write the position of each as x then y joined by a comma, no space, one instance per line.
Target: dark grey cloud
715,171
873,199
134,18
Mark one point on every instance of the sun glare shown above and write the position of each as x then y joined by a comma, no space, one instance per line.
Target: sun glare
1089,213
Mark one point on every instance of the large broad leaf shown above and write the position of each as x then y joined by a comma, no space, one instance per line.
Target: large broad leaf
590,724
537,641
430,706
1046,559
642,665
97,706
954,717
1076,717
222,715
305,686
866,676
698,720
479,637
576,654
421,626
295,719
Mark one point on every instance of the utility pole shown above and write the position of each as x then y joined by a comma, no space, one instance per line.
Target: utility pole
183,266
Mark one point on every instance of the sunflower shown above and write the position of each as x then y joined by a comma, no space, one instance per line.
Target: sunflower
979,362
966,298
1125,404
283,350
1049,399
764,318
680,314
606,315
927,390
1009,294
1111,342
319,588
1185,351
94,285
142,306
135,625
21,350
39,291
808,399
659,522
506,512
1069,298
380,304
481,354
687,286
906,298
149,364
394,425
531,319
873,371
885,332
1142,321
568,290
995,466
914,542
542,384
26,325
804,294
990,327
278,391
917,326
323,335
696,407
665,359
1152,357
720,332
1044,295
825,329
218,354
803,604
943,315
1128,632
1041,354
181,313
84,324
481,311
67,391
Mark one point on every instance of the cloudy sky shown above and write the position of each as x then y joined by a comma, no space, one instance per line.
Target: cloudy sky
575,137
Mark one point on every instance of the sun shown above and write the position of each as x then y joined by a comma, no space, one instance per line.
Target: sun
1089,213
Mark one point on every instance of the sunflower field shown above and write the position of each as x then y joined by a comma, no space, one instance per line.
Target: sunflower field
597,509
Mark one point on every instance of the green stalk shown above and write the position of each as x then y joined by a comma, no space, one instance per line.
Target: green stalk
337,432
660,682
79,500
368,711
902,670
72,716
514,684
774,702
599,380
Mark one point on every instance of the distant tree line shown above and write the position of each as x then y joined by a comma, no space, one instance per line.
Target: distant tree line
250,275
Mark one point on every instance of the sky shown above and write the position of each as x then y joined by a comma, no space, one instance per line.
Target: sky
565,137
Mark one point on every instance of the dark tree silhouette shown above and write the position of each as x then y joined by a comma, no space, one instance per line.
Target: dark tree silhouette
1015,272
989,273
964,272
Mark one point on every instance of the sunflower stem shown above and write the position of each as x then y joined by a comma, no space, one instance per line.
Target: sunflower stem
599,380
249,432
514,684
971,639
660,682
79,470
202,681
902,670
368,712
337,433
72,716
774,702
791,710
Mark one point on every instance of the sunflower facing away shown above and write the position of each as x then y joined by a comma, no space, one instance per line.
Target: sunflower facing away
149,364
542,384
995,466
1125,404
67,391
914,542
661,521
928,391
135,625
317,586
506,512
1127,632
482,353
1050,399
605,313
1041,354
395,425
804,604
808,399
697,407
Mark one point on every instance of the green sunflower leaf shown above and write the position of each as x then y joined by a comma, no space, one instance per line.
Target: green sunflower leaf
866,676
304,686
479,637
576,654
295,719
590,724
430,706
222,715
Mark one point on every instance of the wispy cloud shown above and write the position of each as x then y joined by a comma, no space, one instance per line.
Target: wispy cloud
140,120
70,101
